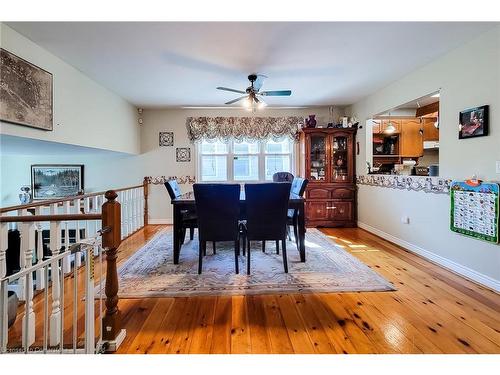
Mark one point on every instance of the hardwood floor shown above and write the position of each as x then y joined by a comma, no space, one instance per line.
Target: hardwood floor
433,311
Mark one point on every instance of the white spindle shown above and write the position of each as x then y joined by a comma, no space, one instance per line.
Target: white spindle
4,243
134,210
55,247
40,276
141,207
98,199
66,260
28,235
22,255
121,199
78,255
125,213
86,209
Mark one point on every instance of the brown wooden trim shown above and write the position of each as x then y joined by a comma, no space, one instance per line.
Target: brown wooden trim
33,218
426,109
145,184
52,201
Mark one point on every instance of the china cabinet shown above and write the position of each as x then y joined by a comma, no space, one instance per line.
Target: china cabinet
327,161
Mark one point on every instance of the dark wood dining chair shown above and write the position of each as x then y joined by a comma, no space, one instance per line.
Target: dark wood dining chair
282,177
218,210
299,185
266,206
188,217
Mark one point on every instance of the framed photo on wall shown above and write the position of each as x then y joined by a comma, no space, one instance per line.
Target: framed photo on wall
25,93
52,181
473,122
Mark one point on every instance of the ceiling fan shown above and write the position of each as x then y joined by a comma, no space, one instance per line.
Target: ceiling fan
253,97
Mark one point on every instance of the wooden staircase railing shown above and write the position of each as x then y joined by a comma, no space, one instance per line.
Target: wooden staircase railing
121,211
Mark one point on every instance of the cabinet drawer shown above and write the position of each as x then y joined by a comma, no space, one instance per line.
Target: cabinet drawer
341,211
318,210
343,193
318,193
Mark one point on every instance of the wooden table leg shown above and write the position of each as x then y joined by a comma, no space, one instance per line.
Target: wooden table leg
177,227
302,232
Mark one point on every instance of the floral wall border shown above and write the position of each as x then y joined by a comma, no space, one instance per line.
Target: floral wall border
160,180
426,184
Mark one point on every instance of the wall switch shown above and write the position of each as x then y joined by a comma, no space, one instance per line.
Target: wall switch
405,219
498,166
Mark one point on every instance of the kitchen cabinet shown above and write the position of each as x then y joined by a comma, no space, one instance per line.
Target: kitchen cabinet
328,163
397,124
380,126
411,140
431,133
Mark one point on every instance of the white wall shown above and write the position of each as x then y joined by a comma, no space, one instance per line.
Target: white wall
85,113
468,76
102,171
157,161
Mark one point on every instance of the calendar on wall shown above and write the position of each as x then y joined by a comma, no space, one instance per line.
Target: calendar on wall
474,209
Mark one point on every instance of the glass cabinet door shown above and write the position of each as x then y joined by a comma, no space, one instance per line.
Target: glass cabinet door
318,158
340,161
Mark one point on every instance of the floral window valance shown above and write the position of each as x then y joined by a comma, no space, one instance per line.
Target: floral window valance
242,128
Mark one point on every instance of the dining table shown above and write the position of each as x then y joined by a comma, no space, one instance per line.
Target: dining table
186,201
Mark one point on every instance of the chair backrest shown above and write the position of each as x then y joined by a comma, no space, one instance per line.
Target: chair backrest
266,206
282,177
173,189
218,210
299,185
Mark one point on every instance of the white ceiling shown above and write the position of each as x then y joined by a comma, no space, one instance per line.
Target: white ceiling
180,64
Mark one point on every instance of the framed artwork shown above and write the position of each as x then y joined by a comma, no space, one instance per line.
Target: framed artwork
25,92
52,181
166,139
183,154
473,122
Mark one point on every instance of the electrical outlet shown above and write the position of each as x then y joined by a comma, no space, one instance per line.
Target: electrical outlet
405,219
498,166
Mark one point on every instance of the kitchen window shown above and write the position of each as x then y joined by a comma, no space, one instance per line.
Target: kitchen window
243,161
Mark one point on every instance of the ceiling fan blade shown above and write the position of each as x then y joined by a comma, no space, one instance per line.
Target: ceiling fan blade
237,99
232,90
276,93
259,81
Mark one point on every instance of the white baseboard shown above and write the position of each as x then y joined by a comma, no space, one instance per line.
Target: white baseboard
446,263
160,221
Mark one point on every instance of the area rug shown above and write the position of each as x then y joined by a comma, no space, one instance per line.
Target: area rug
150,272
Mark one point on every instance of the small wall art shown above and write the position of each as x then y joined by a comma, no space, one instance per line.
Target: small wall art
51,181
473,122
183,154
166,139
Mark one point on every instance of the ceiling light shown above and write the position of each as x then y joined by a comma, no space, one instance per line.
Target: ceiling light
435,95
390,128
247,103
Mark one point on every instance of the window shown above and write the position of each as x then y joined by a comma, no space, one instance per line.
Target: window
243,161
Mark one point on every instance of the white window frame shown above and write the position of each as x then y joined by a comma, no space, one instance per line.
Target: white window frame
230,160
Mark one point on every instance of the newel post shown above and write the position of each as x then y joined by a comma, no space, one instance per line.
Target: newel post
111,323
145,185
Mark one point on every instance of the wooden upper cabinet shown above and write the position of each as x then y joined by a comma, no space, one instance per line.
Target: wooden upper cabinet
431,133
376,126
395,122
412,142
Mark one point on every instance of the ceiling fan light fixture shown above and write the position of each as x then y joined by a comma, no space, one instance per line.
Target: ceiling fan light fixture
247,103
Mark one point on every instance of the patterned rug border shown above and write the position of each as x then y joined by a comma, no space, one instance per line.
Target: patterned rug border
239,291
